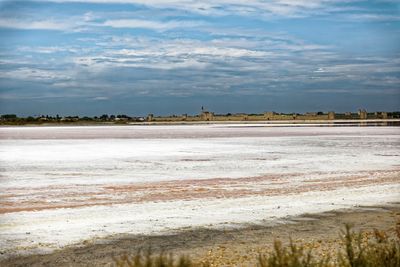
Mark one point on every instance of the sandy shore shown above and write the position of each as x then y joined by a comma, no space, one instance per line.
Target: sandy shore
239,246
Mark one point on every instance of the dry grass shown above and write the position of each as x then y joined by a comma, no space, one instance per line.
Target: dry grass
147,259
380,250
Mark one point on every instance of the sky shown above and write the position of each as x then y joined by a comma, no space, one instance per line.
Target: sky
134,57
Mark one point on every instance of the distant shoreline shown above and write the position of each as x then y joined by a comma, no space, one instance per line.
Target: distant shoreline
266,122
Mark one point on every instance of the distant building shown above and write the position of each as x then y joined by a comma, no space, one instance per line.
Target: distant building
331,115
311,114
269,115
362,114
207,116
150,117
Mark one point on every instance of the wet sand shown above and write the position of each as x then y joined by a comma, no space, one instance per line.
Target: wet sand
229,247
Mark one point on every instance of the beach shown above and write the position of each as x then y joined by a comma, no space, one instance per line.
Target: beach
99,191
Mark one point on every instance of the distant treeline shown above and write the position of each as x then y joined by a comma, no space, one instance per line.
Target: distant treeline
13,119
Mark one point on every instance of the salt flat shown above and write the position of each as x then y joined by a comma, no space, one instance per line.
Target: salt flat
63,185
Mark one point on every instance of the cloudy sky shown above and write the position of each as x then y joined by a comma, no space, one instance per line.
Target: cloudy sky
89,57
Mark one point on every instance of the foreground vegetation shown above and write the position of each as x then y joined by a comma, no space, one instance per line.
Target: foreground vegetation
378,251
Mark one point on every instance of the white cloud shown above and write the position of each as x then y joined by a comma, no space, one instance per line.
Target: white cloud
373,17
170,54
291,8
191,49
84,22
34,74
33,25
355,91
47,49
101,98
149,24
319,70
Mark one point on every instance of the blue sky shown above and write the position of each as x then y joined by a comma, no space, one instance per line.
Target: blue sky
89,57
